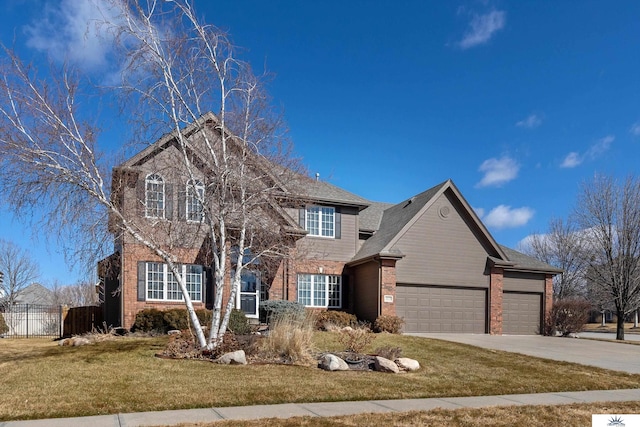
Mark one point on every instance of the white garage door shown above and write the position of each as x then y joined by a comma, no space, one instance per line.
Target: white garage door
521,313
442,309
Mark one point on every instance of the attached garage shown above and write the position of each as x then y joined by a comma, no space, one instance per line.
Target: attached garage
521,313
442,309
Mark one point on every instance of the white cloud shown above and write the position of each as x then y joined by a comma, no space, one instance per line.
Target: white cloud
635,129
498,171
482,28
503,216
572,160
596,150
479,212
71,30
531,122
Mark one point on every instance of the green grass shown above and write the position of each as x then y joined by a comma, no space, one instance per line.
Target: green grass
43,380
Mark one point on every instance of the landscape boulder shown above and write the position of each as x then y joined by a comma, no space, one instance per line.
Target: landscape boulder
233,358
385,365
331,362
406,364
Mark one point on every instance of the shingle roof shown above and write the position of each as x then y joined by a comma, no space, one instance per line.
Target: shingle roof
393,220
322,191
370,217
525,262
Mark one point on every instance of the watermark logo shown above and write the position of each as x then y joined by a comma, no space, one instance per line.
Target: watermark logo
618,420
615,422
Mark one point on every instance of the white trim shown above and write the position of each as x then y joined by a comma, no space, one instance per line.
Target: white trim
193,199
321,215
326,284
165,283
155,178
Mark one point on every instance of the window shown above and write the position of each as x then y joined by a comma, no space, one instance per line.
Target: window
195,196
162,285
320,221
318,290
154,196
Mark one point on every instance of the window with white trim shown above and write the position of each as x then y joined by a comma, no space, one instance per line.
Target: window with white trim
162,285
320,290
195,196
154,196
320,221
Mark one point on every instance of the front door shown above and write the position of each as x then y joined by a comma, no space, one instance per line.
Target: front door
248,299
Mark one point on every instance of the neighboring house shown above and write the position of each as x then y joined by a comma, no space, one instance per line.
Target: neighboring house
428,259
35,294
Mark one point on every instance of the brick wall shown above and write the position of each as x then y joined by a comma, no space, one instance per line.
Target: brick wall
495,300
132,253
548,298
388,287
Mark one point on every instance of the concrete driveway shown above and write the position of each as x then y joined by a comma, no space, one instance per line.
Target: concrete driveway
607,355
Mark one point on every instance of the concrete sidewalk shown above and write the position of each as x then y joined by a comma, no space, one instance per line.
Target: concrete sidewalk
328,409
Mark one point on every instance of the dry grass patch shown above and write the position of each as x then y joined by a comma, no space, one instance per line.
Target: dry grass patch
575,415
43,380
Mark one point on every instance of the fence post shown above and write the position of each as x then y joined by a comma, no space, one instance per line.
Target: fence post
60,321
27,320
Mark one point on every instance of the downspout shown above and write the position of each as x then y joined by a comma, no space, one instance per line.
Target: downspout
379,288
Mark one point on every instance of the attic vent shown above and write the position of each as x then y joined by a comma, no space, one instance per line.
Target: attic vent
444,212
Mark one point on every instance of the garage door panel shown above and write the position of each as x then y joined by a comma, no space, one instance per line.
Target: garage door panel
442,309
521,313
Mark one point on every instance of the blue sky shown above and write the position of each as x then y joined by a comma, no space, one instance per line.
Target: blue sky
517,102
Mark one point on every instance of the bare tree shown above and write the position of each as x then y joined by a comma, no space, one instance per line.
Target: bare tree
19,271
80,294
609,214
562,247
174,71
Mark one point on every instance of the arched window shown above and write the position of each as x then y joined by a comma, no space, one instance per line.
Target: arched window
195,196
154,196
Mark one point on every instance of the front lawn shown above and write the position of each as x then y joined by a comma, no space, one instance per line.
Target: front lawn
43,380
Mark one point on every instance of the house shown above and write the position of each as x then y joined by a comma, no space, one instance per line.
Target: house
34,294
428,259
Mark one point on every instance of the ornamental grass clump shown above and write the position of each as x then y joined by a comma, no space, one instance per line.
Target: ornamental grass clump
290,340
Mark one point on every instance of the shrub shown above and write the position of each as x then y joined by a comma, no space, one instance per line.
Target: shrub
290,340
391,324
238,323
4,328
176,318
355,340
149,320
272,310
340,319
204,316
569,316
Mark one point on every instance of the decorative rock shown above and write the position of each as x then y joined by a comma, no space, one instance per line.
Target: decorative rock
347,328
174,332
406,364
385,365
331,362
79,341
233,358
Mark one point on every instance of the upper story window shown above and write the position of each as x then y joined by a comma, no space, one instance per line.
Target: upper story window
320,221
154,196
195,196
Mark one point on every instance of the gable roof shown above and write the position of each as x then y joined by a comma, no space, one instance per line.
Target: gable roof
393,220
396,220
